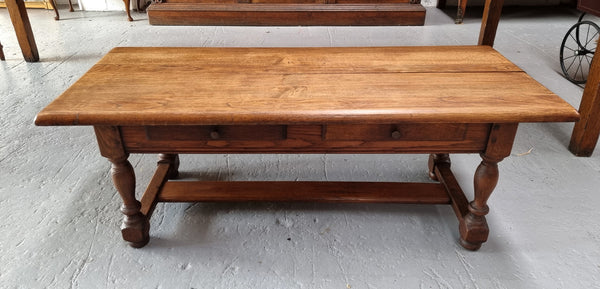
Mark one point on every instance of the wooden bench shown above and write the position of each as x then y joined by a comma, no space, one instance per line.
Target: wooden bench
287,12
434,100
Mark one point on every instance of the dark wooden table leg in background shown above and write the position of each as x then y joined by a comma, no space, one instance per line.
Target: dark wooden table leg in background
441,4
460,13
587,129
127,6
489,22
20,20
1,53
55,7
57,17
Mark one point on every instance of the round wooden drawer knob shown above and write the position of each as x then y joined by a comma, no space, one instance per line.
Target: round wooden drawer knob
214,134
396,134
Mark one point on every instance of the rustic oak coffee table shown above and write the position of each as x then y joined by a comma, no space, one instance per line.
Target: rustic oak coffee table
435,100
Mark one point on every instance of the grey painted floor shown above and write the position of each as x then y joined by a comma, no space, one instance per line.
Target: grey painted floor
59,214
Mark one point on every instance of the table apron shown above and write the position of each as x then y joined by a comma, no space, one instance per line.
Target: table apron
325,138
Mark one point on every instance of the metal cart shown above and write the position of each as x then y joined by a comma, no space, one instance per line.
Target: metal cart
579,44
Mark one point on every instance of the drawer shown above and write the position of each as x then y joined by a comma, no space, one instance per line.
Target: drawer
313,138
396,132
216,133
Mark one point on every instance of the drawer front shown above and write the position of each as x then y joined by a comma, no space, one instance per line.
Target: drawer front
216,133
396,132
325,138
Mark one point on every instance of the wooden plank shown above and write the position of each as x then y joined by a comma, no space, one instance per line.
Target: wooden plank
285,14
150,197
349,192
587,130
280,90
321,60
20,21
305,98
458,199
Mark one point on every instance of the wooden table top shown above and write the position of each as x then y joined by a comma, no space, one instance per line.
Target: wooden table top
202,86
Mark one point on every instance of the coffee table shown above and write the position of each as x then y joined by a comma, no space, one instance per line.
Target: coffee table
434,100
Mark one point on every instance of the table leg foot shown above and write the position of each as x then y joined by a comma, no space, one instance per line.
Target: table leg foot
136,227
474,231
470,246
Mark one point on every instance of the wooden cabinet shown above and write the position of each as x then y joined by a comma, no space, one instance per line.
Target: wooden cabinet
44,4
589,6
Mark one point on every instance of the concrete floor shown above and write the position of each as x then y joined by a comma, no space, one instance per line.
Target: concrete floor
59,215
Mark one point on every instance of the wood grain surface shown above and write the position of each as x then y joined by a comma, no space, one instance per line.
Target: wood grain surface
204,86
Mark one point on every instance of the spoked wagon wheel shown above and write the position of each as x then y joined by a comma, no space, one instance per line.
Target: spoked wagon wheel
577,50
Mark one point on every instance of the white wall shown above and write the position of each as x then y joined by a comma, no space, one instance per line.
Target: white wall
103,5
118,5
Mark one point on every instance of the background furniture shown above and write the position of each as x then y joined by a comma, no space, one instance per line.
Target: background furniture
20,21
57,17
127,9
587,130
1,53
460,12
589,6
286,12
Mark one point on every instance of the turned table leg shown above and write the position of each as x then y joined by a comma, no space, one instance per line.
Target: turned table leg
135,225
473,226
